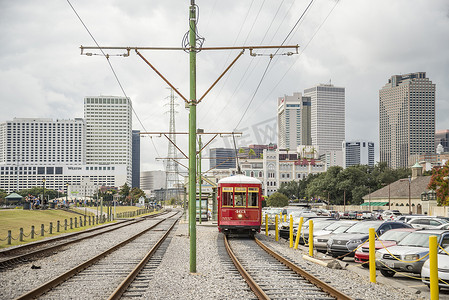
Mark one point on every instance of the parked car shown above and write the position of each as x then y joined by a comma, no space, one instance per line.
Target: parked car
414,246
284,227
390,214
352,215
388,239
320,238
427,222
367,215
318,224
443,269
347,242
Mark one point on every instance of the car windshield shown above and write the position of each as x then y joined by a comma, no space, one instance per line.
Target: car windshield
275,210
321,224
296,213
341,229
393,235
363,227
417,239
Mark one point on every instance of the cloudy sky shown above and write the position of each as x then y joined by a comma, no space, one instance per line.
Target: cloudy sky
355,44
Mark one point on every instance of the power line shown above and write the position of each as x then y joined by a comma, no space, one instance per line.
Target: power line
297,59
268,65
112,69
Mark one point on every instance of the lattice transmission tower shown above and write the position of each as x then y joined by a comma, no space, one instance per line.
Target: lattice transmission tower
171,167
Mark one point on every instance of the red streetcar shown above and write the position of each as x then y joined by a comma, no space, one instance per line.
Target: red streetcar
239,205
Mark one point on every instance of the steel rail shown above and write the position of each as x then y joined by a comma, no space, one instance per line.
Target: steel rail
23,257
63,277
257,290
314,280
133,274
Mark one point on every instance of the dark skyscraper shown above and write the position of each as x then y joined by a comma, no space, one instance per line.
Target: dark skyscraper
136,159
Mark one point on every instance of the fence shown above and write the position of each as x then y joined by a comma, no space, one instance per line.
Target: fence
69,224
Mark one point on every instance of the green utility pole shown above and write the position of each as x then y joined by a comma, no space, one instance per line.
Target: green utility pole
192,137
192,102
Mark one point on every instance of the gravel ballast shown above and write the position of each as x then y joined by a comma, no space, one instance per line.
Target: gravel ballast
172,279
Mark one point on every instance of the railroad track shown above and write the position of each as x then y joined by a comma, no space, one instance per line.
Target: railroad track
25,253
109,273
271,276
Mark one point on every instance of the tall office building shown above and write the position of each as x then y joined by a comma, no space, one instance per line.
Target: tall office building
136,159
293,120
358,153
109,131
406,118
51,153
222,158
327,116
26,141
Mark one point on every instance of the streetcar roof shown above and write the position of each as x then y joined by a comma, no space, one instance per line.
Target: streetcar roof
240,179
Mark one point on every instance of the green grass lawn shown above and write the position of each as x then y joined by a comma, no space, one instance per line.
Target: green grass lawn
14,219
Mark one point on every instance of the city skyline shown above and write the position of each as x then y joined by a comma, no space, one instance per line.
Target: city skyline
43,75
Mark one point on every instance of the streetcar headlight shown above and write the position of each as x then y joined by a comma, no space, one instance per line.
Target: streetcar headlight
239,216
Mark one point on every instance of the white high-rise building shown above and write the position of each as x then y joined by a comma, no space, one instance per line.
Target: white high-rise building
293,121
358,153
109,131
327,116
39,141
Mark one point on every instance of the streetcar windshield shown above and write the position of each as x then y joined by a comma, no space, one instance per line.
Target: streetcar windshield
240,196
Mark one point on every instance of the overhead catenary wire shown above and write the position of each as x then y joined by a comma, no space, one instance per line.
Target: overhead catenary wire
296,60
268,65
112,69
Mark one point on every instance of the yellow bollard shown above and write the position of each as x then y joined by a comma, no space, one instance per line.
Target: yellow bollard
372,255
291,232
433,265
310,238
285,218
298,232
276,229
266,224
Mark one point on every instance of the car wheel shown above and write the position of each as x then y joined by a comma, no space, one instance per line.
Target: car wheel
387,273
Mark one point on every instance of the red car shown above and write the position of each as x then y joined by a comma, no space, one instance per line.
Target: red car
388,239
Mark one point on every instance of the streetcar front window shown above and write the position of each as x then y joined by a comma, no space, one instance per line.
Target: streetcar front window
226,196
253,196
240,196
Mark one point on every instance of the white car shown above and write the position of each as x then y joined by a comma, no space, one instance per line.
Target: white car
443,269
427,222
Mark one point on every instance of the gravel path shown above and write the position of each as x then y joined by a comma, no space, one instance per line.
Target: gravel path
172,279
216,277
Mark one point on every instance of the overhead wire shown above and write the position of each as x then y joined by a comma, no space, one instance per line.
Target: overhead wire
297,59
243,78
112,69
268,65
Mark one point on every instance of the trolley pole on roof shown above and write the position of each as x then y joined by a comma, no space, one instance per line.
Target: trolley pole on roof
192,137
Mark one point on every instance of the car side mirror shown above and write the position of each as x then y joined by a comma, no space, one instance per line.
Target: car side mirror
381,232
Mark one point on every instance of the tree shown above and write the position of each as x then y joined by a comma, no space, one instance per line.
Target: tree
439,183
136,193
277,200
289,189
124,191
251,153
